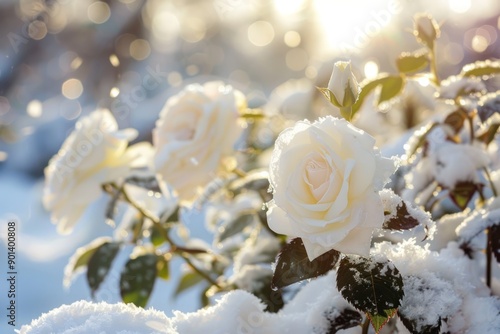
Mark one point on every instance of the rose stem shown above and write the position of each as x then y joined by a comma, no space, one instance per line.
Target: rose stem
182,251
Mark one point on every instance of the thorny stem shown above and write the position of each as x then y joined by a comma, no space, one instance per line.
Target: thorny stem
365,326
182,251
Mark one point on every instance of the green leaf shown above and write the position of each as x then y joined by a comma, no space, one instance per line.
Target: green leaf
157,235
162,268
378,321
329,96
293,265
81,258
375,288
412,62
173,217
188,280
99,264
463,192
137,279
235,226
481,68
137,226
273,299
401,221
204,300
391,86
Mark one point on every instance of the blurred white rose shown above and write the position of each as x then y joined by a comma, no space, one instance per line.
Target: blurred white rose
343,84
325,178
197,129
95,153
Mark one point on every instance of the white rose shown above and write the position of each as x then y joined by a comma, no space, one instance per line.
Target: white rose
325,178
94,153
197,129
343,84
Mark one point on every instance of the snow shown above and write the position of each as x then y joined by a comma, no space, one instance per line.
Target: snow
236,312
88,317
480,220
455,85
454,282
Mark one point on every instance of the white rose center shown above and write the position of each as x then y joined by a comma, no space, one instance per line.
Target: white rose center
317,175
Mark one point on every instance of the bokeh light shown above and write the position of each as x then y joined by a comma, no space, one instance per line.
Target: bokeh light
34,109
260,33
72,88
99,12
292,38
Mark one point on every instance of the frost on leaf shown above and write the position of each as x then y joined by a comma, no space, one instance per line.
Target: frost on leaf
427,300
99,264
488,106
375,288
399,215
138,278
80,259
293,265
346,319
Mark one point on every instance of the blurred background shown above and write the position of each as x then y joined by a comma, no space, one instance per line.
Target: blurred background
61,59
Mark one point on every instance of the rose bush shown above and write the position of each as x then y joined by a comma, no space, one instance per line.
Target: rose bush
197,129
95,153
325,178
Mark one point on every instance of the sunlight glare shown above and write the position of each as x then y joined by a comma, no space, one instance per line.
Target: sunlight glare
288,7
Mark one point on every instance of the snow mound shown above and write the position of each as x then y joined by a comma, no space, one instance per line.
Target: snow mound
88,317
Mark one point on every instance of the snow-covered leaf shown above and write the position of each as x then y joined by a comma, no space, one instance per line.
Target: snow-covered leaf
375,288
81,258
481,68
421,140
137,279
346,319
402,220
162,268
488,106
293,265
411,325
99,264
